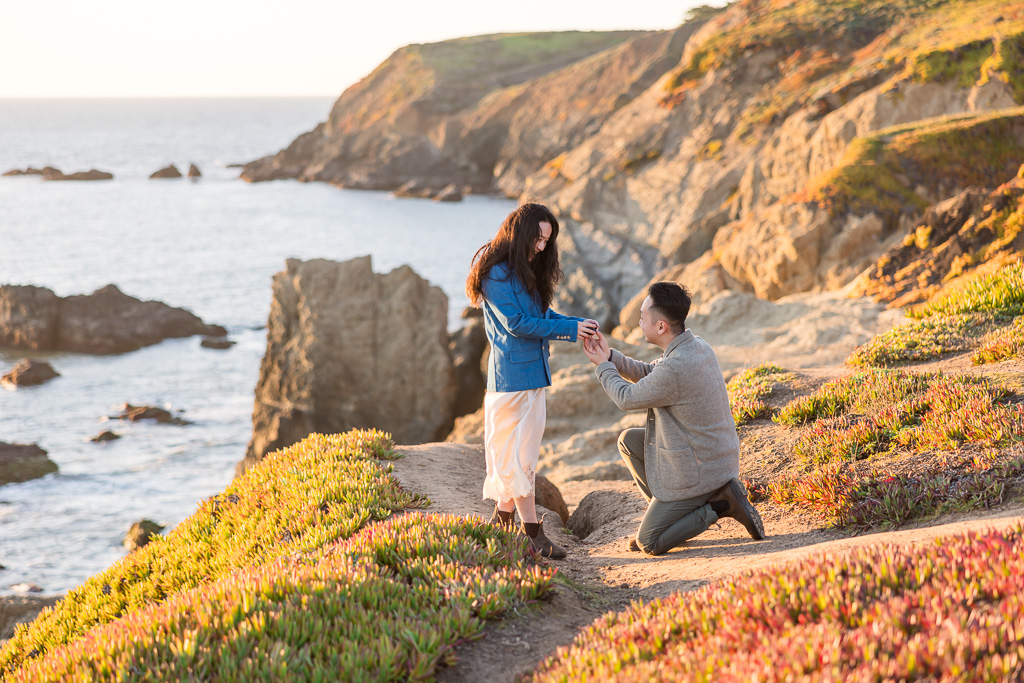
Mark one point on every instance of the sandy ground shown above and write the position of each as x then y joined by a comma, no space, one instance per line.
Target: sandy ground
600,574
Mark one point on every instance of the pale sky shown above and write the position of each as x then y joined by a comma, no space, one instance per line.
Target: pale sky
143,48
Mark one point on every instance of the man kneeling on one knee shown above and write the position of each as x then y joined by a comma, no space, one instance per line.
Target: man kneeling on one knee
686,461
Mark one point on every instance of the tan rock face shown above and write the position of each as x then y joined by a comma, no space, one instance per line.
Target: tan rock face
349,348
945,243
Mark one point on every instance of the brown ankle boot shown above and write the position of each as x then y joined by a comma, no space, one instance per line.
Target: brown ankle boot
502,519
541,543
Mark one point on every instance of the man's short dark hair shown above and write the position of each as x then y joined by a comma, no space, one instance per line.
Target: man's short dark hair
673,303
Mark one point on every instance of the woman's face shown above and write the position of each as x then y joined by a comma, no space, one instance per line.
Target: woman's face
542,238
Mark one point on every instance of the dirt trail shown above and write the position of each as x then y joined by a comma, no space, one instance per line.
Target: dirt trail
600,574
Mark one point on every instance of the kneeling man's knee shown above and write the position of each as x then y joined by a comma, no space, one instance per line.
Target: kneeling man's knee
648,543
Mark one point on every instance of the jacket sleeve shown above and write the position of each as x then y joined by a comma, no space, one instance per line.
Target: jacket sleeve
630,368
499,296
657,389
555,315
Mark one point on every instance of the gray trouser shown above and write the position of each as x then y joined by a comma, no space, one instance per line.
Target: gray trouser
666,524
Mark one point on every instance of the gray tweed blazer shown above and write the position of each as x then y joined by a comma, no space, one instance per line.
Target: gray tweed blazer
691,447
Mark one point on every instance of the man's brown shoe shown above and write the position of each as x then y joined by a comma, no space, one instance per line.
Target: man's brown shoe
740,508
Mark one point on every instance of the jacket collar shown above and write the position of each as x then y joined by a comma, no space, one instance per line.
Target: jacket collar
686,336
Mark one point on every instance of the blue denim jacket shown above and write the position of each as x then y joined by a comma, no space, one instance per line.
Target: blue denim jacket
518,331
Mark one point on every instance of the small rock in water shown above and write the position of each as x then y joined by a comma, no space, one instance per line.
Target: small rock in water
193,171
449,194
21,462
217,343
26,588
141,533
136,413
91,174
105,436
167,172
28,373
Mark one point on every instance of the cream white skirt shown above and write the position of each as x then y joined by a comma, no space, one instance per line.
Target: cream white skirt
513,428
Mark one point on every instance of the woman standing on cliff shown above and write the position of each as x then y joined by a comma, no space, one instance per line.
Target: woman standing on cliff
513,279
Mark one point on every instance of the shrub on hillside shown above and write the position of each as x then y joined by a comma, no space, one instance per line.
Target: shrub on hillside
748,389
951,609
967,316
295,500
900,414
387,604
1001,344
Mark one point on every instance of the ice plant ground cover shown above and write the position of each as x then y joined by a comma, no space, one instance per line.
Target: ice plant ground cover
950,609
1006,342
387,604
848,424
297,567
748,389
978,313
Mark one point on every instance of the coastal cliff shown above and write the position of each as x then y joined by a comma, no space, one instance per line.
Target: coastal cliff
452,112
761,148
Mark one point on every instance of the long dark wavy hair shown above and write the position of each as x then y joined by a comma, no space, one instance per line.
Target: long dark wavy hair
514,244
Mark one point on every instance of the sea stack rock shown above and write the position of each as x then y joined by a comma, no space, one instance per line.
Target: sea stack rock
28,373
22,462
167,172
106,321
349,348
193,171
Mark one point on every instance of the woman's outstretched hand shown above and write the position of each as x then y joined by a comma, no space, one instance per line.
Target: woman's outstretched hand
586,329
597,349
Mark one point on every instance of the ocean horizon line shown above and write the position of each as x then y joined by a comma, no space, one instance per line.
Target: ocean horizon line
37,98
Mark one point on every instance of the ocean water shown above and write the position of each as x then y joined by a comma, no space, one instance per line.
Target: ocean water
210,246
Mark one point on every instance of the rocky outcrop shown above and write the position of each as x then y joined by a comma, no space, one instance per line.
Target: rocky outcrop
167,172
141,533
158,415
91,174
467,347
194,172
45,171
51,173
220,343
105,436
548,496
349,348
481,112
976,228
16,610
106,321
22,462
29,373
